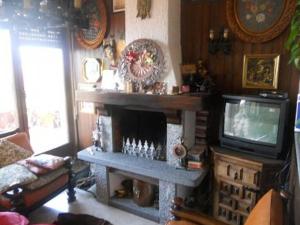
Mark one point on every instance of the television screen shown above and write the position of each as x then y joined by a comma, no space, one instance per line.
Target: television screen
253,121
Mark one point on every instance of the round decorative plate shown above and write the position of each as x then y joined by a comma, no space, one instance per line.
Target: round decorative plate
97,19
142,61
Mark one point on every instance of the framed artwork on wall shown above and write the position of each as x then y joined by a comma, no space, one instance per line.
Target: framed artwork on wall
258,21
91,70
260,71
118,6
93,36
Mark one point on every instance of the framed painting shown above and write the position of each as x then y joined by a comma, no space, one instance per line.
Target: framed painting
92,36
261,71
118,6
91,70
258,21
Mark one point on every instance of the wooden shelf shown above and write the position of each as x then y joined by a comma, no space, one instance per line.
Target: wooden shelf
147,101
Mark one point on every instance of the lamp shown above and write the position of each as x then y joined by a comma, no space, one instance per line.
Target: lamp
220,43
43,13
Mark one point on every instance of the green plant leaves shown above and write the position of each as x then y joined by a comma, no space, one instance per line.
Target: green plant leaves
293,42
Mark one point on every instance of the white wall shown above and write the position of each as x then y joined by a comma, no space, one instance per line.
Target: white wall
164,28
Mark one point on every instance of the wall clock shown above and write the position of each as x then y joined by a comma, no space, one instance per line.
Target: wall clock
258,21
97,18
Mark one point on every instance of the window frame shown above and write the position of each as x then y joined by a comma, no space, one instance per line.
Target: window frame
63,150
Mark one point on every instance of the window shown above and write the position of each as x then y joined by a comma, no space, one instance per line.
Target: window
8,104
44,84
37,101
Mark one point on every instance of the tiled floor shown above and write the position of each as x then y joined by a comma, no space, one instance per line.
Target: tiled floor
86,204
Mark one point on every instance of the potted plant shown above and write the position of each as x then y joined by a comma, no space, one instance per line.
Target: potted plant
293,42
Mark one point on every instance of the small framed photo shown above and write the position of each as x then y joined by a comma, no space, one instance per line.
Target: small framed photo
118,6
91,70
260,71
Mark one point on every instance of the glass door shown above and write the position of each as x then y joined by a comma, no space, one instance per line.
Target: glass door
45,95
8,102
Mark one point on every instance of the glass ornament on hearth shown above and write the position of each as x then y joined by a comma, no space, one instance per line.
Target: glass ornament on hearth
158,152
123,146
152,151
127,147
146,150
140,149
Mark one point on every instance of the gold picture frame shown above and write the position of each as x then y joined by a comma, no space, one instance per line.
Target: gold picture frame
91,70
260,71
118,6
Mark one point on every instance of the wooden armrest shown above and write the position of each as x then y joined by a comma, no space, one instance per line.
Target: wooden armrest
198,218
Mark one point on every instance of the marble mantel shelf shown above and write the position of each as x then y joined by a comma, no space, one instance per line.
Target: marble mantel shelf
154,169
174,102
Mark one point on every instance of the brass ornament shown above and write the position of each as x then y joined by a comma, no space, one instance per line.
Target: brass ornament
143,8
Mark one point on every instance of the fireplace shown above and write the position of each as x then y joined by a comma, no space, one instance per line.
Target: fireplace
137,121
142,133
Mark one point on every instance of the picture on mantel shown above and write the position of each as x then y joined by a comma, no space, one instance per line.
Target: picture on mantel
143,8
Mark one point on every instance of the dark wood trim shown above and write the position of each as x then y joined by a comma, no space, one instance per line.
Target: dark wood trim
177,102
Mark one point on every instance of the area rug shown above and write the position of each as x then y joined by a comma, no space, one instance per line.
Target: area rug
79,219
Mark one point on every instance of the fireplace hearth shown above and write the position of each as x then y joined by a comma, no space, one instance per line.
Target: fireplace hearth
139,135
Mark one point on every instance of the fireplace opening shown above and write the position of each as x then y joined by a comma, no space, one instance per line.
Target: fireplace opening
142,133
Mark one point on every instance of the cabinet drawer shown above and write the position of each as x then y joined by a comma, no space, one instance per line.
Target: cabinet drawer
238,173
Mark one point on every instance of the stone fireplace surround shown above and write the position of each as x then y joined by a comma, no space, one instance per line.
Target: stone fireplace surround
112,166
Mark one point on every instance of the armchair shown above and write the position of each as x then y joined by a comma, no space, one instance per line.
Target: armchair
26,198
268,211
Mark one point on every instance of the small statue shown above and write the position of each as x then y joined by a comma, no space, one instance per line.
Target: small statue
201,69
143,7
109,57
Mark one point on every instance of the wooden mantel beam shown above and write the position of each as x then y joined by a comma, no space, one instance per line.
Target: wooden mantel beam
174,102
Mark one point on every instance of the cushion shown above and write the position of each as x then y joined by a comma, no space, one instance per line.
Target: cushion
10,153
21,139
46,161
79,219
268,210
14,175
11,218
46,179
34,169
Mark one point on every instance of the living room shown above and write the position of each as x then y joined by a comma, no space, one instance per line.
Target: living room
160,99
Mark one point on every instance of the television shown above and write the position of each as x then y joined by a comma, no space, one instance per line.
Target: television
255,125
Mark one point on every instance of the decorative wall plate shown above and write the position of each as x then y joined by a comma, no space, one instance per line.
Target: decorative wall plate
93,36
142,62
259,20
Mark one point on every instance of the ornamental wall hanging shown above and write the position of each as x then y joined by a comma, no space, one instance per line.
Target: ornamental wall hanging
93,36
142,62
258,21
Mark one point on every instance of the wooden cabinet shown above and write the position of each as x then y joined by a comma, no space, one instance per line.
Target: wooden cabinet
240,180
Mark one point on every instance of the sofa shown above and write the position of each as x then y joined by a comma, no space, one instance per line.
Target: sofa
40,183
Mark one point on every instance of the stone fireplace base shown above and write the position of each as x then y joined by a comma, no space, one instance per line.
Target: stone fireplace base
178,115
171,181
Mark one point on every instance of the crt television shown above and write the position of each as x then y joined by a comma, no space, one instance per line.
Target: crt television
255,125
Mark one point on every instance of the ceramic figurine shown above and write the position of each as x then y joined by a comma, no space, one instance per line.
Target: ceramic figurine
143,7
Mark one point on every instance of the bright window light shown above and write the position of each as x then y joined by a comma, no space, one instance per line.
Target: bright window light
44,82
8,105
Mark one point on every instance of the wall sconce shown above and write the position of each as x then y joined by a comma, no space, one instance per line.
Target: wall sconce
220,43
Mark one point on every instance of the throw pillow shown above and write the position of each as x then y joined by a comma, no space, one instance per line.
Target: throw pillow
10,153
46,161
12,218
14,175
35,169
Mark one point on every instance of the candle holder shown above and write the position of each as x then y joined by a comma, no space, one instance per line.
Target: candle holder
220,43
